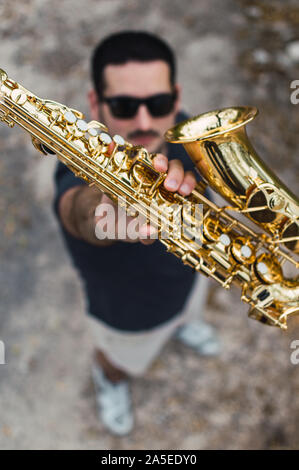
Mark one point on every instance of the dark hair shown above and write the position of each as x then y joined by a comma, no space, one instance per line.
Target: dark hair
122,47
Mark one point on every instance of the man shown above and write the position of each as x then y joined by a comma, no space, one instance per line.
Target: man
136,292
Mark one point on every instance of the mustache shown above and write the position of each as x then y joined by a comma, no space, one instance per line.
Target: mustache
139,133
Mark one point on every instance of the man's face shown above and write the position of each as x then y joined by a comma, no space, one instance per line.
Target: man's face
139,80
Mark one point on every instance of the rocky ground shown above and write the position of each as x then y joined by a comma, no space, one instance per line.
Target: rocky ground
229,52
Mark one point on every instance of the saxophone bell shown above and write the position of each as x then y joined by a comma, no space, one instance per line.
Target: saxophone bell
221,151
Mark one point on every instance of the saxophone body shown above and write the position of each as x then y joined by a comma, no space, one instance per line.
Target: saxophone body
250,254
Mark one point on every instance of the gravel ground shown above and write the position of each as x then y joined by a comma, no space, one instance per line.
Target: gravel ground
229,52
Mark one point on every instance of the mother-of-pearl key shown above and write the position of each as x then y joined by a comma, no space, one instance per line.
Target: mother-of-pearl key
70,117
82,125
105,138
18,96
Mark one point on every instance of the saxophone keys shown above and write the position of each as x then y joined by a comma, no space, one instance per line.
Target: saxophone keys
105,138
121,160
211,230
69,136
71,130
5,118
39,105
264,315
93,143
10,84
18,96
82,125
76,130
268,269
143,176
99,158
54,115
3,76
246,251
276,202
158,182
92,132
166,196
70,117
94,149
225,239
119,140
243,251
97,126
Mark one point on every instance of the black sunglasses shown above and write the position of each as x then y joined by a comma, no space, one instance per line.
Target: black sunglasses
126,107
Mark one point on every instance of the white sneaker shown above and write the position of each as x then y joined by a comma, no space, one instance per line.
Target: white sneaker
201,337
114,403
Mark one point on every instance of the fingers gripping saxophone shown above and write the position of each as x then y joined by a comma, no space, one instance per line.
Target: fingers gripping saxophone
224,247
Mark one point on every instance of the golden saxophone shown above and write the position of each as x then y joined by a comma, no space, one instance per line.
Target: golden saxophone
221,246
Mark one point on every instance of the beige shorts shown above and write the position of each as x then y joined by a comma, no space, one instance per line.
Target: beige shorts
134,352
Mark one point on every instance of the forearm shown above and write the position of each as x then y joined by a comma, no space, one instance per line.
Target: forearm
77,212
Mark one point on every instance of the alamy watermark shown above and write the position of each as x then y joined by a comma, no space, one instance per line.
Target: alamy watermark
294,357
171,221
2,352
294,97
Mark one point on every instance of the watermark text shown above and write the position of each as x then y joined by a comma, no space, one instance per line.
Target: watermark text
2,352
169,221
294,97
294,357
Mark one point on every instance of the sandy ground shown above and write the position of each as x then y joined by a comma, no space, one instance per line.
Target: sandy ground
229,52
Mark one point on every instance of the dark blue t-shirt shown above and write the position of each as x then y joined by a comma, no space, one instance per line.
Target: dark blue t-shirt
129,286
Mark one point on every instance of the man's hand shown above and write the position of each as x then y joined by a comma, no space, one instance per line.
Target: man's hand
79,205
176,180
